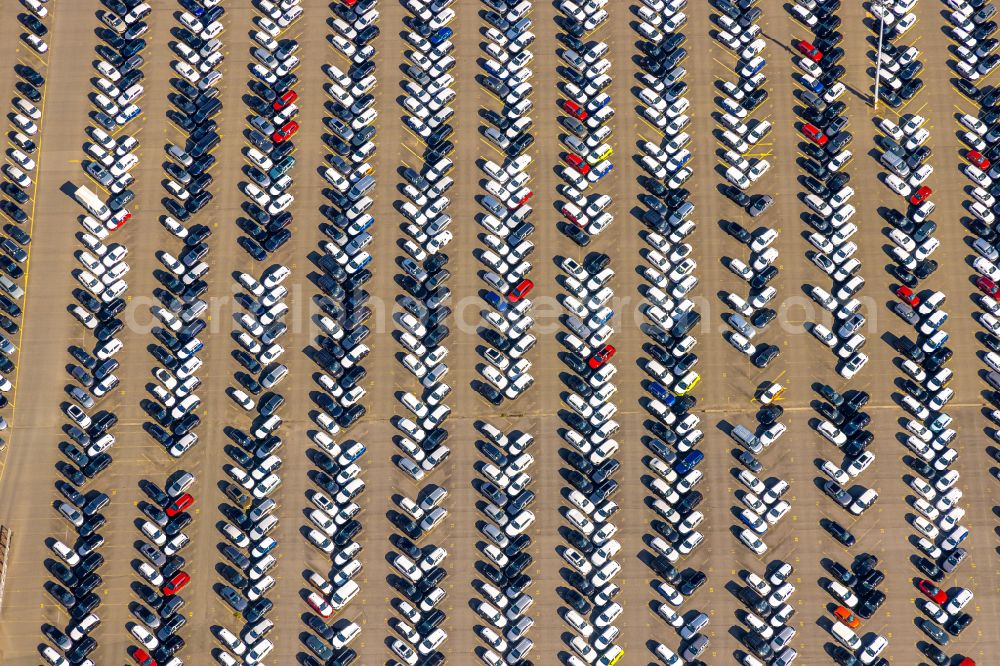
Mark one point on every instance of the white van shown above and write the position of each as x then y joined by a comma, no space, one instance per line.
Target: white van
845,636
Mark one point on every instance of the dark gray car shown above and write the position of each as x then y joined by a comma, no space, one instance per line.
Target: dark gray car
906,313
696,647
760,204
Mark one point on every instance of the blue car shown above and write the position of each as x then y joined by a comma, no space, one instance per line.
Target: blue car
815,86
599,103
498,302
606,167
662,394
192,6
441,35
756,69
354,453
600,321
689,462
495,71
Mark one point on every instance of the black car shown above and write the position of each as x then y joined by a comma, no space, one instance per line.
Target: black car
754,602
574,599
33,24
62,573
430,621
28,90
838,532
13,211
574,233
958,624
770,414
605,470
864,563
233,598
758,645
854,400
664,569
58,638
29,75
765,354
85,646
169,648
869,603
843,656
579,481
933,653
691,581
736,231
842,574
580,582
760,319
579,541
595,262
258,609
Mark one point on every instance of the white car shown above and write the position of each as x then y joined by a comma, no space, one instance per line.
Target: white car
753,542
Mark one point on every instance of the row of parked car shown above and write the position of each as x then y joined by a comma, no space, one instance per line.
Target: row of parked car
588,588
343,269
17,180
157,621
109,156
924,391
669,271
765,631
856,595
737,28
503,480
586,75
763,506
828,191
253,473
173,404
503,483
424,304
194,100
271,125
507,211
422,329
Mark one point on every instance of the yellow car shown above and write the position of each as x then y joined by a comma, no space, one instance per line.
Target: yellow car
687,383
602,152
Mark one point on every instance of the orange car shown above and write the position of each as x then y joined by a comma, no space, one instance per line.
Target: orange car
847,617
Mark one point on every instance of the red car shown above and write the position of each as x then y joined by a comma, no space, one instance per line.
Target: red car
574,109
286,99
907,296
142,658
987,286
601,356
112,225
921,195
932,591
808,50
285,132
179,504
978,159
520,198
578,163
176,584
522,289
814,133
